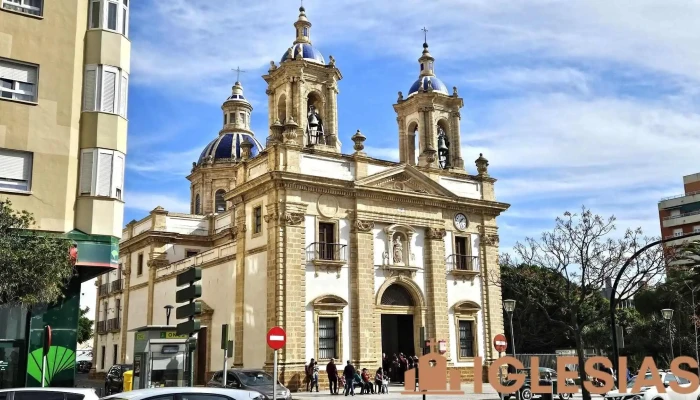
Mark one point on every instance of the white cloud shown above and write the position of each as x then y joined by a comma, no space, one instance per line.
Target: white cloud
518,79
145,201
159,165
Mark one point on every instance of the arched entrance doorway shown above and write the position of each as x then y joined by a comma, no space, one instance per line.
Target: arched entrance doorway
401,319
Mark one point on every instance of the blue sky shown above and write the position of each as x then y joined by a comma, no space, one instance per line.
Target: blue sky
573,102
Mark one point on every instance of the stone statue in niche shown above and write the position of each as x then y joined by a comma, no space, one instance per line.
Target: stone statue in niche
315,127
398,250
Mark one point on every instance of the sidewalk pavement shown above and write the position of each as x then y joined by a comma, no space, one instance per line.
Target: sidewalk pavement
488,393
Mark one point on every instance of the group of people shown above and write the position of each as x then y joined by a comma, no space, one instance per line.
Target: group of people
348,380
397,366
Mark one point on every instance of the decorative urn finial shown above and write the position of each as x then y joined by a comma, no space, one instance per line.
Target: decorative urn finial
359,139
482,165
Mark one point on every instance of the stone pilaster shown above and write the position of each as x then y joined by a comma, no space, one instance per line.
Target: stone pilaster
456,149
239,232
436,286
156,260
490,276
125,307
364,349
289,295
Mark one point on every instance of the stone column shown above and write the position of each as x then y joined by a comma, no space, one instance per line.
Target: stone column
436,287
331,120
289,100
403,140
456,148
239,232
364,349
289,295
157,259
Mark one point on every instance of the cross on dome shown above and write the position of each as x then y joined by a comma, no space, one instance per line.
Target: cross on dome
238,73
425,35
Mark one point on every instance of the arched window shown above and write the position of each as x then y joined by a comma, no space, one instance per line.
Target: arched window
282,108
197,205
219,202
443,147
397,295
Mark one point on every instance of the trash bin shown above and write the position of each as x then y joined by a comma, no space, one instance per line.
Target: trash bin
128,381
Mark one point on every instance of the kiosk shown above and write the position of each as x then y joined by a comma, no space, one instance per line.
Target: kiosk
161,357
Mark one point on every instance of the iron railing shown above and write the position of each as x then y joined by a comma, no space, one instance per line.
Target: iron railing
117,286
104,289
678,196
462,262
113,324
101,327
326,252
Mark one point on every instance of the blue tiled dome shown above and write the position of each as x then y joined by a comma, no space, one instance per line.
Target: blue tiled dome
227,147
438,86
308,53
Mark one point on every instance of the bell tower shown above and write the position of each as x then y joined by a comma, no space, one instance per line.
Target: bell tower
302,94
428,119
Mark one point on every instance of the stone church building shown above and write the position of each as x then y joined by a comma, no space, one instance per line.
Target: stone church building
353,256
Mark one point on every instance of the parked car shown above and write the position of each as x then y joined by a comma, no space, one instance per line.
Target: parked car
83,367
48,394
651,393
546,376
186,394
114,380
250,379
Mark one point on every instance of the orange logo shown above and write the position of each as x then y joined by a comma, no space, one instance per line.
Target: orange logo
432,376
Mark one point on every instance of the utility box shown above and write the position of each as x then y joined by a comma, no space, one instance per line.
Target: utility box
161,357
128,382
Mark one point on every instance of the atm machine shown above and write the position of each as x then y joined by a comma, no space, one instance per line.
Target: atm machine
161,357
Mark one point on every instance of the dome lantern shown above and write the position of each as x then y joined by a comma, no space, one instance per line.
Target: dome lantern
302,48
427,81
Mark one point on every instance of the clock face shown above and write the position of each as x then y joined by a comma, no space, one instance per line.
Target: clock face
461,221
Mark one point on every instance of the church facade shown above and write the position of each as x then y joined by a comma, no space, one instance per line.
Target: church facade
353,256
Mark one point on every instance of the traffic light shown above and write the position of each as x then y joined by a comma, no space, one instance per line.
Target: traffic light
188,295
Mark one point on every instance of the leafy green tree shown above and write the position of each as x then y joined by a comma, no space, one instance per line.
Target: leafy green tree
84,326
583,252
33,268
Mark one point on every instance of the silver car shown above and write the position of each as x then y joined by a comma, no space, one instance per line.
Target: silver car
48,394
196,393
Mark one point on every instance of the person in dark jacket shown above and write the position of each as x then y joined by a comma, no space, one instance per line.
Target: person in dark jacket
349,375
332,371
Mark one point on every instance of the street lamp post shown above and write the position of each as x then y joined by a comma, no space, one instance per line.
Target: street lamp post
509,306
667,313
620,274
168,309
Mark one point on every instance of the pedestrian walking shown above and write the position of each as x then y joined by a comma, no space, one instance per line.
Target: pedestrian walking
332,371
349,375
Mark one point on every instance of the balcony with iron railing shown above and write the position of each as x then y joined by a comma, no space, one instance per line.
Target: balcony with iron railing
113,324
103,289
101,327
327,256
116,286
462,265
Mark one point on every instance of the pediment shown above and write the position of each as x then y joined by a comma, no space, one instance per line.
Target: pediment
404,178
329,301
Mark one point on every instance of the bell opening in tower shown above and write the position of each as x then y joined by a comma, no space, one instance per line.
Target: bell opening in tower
412,156
282,108
315,133
443,147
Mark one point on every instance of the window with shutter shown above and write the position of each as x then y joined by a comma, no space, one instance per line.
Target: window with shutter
118,176
18,81
86,171
109,88
15,170
104,173
90,88
123,88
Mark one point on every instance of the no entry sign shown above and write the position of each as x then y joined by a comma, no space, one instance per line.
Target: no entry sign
276,338
500,343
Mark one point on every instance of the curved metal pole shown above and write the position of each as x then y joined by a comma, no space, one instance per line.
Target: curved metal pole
613,325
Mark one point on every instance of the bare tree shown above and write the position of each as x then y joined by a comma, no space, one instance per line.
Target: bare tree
583,249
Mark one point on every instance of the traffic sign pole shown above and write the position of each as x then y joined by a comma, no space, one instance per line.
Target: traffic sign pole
276,339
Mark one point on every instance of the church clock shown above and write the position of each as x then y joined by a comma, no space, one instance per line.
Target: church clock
461,221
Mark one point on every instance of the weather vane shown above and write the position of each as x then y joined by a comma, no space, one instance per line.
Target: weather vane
238,73
425,34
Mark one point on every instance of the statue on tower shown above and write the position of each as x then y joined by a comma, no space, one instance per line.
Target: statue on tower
314,128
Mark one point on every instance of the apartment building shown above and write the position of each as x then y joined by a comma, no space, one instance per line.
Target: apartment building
64,77
680,214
